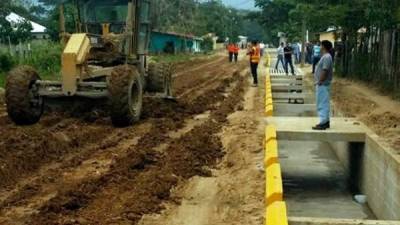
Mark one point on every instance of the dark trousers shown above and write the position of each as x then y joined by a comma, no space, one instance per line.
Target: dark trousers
236,56
288,62
230,56
254,67
315,62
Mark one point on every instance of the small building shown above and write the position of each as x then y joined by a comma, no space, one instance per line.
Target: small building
169,42
331,34
243,40
38,31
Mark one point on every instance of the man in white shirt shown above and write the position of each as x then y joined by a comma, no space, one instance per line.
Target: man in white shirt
281,55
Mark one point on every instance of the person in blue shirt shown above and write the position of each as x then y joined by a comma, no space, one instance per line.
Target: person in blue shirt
323,79
316,55
296,52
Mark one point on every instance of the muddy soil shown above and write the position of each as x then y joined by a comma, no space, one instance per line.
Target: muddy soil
67,170
231,195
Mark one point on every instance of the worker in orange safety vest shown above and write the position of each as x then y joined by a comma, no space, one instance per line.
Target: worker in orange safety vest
255,55
231,51
236,50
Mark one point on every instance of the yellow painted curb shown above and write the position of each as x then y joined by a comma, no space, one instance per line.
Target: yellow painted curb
270,133
274,187
269,111
271,153
276,214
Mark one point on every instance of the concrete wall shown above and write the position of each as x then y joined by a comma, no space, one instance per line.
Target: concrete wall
330,36
378,175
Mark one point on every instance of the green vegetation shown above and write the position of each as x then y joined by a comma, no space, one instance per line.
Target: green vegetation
44,57
367,34
181,16
2,79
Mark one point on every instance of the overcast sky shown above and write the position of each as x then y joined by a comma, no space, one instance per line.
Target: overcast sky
242,4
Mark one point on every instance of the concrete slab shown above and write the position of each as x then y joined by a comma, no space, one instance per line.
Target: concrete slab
287,81
286,87
328,221
303,95
299,110
281,71
342,129
284,76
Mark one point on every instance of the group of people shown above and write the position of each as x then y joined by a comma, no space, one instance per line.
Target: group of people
313,55
285,56
321,56
233,51
254,51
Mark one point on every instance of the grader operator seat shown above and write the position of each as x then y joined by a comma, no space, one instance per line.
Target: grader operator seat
105,59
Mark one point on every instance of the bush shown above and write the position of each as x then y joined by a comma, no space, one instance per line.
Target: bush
45,58
6,62
208,44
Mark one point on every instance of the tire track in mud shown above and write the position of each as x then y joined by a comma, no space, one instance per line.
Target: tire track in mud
24,150
207,63
165,116
140,182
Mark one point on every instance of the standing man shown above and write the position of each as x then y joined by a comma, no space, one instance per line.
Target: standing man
323,78
309,53
254,53
236,52
288,51
231,50
296,52
299,54
281,55
316,55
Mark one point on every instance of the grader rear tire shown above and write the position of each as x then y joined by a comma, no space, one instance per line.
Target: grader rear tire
126,95
24,105
159,78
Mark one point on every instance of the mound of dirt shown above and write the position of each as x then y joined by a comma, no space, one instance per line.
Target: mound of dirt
378,112
140,182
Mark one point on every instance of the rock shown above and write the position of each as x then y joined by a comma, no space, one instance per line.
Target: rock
62,137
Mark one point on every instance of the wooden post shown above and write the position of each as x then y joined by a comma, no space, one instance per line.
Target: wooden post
303,46
9,44
62,24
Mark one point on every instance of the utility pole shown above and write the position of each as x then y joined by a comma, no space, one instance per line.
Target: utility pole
62,25
303,45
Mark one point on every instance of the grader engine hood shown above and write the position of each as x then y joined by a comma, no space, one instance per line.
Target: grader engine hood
73,59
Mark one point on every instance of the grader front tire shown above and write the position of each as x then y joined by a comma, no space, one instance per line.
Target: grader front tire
24,105
126,95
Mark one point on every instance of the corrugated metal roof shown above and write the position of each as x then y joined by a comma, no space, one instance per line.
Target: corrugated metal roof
15,18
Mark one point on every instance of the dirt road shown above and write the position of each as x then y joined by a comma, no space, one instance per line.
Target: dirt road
379,112
71,169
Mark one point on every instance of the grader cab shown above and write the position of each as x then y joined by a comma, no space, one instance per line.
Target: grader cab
106,59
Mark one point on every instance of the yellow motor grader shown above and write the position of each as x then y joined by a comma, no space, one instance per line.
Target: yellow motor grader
105,59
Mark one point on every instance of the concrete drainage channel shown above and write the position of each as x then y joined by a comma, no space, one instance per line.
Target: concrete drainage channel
342,176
